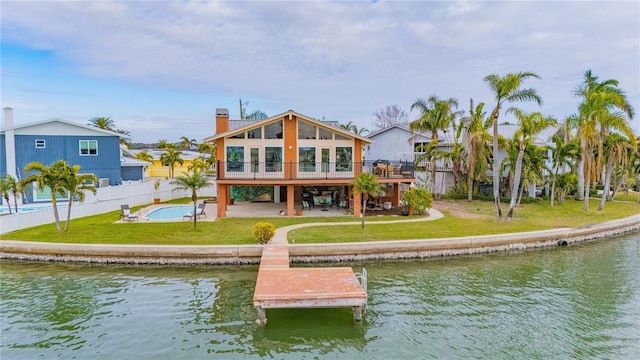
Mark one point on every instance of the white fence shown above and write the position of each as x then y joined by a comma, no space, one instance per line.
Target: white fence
105,200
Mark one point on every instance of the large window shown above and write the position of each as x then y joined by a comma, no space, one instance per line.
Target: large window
306,130
254,133
344,158
88,147
273,130
235,158
273,158
307,159
325,134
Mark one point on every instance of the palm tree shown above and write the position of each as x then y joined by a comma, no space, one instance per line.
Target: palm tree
104,123
530,125
144,156
5,187
562,154
617,150
52,177
435,115
198,165
351,127
602,109
477,152
126,139
163,144
367,185
170,157
192,183
506,90
76,185
186,143
208,149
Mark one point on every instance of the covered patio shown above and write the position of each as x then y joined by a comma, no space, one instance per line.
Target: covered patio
262,209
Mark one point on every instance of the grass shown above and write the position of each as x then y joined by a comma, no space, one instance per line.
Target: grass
102,229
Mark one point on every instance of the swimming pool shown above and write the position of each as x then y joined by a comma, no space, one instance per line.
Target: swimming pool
5,210
169,212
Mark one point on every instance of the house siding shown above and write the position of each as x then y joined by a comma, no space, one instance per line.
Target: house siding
393,144
106,164
3,158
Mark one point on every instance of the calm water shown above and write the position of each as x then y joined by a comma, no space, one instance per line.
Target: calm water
578,302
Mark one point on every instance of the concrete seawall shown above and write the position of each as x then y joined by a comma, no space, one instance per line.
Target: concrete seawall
250,254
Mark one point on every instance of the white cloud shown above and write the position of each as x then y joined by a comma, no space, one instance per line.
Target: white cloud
343,60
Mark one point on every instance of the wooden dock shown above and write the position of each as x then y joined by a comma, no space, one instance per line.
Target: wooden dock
280,286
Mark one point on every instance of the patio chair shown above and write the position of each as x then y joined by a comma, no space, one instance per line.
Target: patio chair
200,210
126,214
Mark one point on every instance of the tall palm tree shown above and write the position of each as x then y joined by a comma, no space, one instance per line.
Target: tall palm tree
601,110
367,185
192,183
170,157
562,154
477,152
507,89
616,149
435,115
104,123
530,125
52,177
76,185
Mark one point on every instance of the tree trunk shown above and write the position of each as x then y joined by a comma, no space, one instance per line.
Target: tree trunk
553,185
56,216
470,174
580,170
496,166
516,181
587,178
195,215
66,226
6,200
607,182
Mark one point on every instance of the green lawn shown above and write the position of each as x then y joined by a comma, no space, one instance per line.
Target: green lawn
537,216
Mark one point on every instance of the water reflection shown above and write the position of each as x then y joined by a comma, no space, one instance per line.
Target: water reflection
581,301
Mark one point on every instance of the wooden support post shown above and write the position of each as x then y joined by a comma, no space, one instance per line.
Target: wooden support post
262,316
357,314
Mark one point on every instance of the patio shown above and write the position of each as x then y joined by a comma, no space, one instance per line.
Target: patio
261,209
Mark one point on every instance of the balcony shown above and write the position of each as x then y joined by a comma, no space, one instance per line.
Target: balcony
307,170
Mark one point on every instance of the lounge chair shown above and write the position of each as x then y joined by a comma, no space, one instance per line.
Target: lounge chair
199,212
126,214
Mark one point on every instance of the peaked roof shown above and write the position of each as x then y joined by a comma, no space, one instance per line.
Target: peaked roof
66,122
282,115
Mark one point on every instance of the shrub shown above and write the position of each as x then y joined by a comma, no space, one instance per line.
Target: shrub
263,231
419,199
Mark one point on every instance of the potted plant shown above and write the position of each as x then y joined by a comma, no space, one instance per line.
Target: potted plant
156,194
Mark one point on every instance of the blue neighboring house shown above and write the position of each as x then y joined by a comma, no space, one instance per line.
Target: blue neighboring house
97,151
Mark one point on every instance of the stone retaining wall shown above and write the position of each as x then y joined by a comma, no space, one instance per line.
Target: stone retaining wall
250,254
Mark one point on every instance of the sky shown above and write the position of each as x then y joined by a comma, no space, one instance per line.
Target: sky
159,69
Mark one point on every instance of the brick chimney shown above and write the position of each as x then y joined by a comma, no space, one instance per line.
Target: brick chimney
222,120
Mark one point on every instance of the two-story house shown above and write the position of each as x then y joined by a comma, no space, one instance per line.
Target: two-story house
292,152
97,151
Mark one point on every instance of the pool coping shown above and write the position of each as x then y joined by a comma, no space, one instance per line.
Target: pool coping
308,253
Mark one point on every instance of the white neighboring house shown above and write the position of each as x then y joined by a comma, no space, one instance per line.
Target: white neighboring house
399,143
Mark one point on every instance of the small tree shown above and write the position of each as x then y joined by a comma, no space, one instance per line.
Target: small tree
390,115
52,177
193,183
264,231
76,185
367,185
419,199
5,188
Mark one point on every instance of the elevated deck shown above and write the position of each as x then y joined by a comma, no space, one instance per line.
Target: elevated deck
280,286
